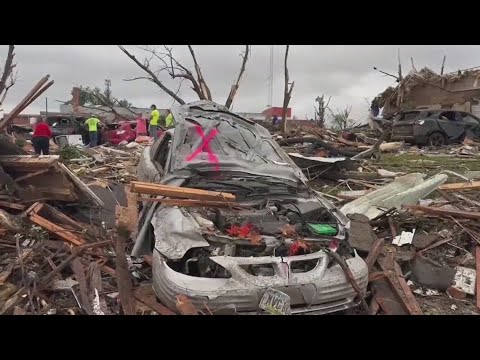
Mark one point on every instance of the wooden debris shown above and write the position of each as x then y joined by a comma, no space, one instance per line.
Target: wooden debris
477,262
374,306
94,280
61,232
132,211
185,306
373,254
122,274
79,271
398,284
147,297
12,205
434,245
460,186
191,203
444,212
9,268
350,278
179,192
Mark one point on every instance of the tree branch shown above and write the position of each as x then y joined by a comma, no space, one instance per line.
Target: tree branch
153,78
234,88
201,80
8,68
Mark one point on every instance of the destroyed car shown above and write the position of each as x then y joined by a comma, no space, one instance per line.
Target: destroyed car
275,240
434,127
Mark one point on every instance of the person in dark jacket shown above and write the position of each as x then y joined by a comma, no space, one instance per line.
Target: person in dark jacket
41,137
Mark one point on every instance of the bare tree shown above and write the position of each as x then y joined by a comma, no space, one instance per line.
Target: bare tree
145,66
167,63
174,68
234,88
8,78
320,111
287,94
340,119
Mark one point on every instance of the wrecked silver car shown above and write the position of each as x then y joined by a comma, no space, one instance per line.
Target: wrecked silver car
278,242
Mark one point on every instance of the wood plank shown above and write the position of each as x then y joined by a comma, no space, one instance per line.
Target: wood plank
81,186
179,192
57,230
62,218
469,185
132,211
399,289
8,205
373,254
412,302
122,274
30,175
9,268
374,306
477,261
94,278
190,203
434,245
146,296
79,271
386,299
444,212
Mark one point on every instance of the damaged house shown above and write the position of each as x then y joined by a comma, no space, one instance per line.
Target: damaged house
426,89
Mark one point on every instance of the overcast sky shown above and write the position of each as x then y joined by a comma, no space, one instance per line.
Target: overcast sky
343,72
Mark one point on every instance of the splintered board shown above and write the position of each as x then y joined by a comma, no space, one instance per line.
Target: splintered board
179,192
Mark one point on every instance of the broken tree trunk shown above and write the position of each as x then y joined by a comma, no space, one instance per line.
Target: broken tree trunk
287,95
234,89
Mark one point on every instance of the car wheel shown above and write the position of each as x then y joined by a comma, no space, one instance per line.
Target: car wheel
436,139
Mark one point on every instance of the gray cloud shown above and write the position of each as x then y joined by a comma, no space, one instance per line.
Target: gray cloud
343,72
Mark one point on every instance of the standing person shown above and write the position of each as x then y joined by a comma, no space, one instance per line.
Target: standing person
141,128
92,124
169,120
274,120
41,137
154,117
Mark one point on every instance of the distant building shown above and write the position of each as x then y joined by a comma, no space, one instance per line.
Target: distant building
278,111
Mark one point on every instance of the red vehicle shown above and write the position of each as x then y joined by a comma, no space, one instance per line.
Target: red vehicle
122,131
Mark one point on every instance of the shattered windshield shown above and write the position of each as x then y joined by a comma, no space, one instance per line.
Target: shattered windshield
236,140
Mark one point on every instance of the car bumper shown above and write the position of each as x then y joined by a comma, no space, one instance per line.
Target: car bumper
320,291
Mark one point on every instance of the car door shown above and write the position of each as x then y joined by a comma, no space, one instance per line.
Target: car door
451,123
472,125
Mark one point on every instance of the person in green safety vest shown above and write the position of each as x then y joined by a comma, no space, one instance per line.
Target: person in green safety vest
169,120
92,125
154,117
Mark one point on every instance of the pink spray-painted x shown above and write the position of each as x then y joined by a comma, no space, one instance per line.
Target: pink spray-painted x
205,147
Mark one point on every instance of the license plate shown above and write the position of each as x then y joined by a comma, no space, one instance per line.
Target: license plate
275,302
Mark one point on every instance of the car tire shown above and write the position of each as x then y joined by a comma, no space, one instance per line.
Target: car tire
437,139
